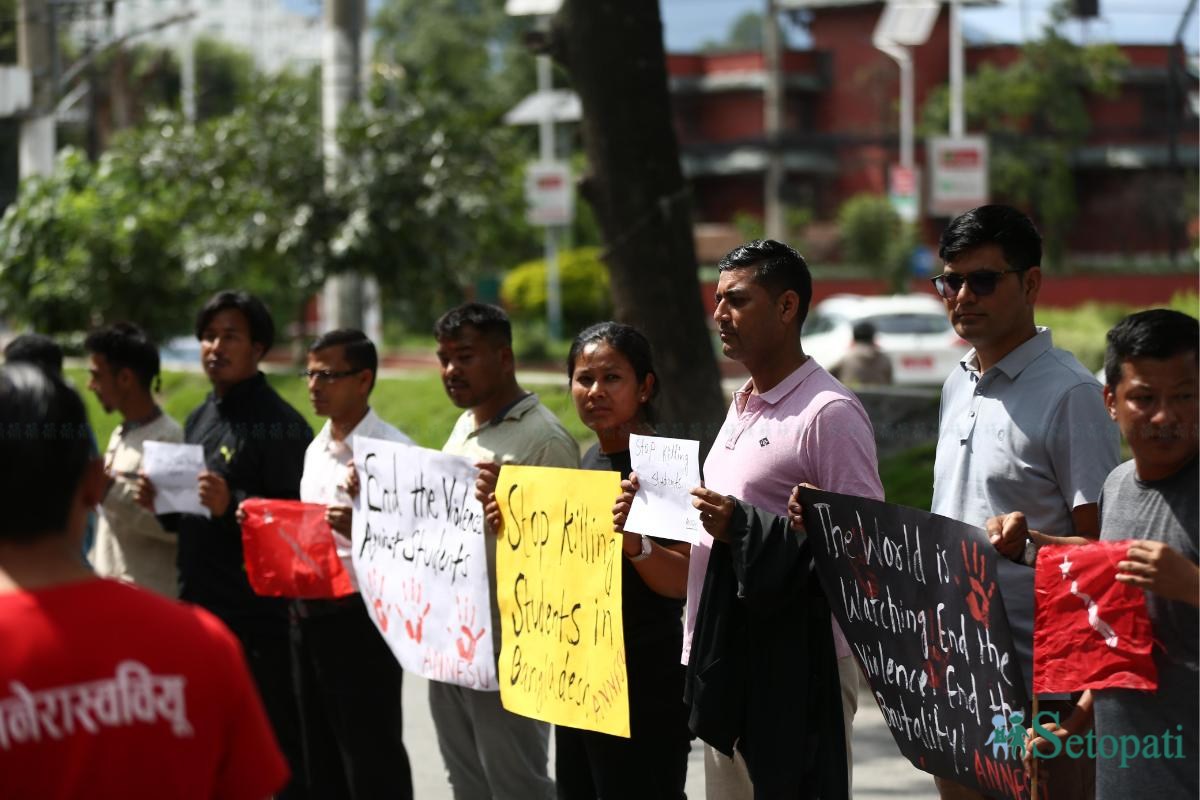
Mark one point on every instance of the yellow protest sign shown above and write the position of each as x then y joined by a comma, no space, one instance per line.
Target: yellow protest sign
558,587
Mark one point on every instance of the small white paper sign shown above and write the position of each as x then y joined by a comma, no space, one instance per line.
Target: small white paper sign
175,469
667,471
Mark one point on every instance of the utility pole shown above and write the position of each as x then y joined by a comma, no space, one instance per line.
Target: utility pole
773,122
545,85
187,67
958,126
341,75
35,52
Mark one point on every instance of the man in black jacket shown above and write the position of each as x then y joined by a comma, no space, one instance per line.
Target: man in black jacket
254,445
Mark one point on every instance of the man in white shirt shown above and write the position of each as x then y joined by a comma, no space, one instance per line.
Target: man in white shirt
130,543
347,680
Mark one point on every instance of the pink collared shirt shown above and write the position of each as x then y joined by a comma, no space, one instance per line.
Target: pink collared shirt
807,429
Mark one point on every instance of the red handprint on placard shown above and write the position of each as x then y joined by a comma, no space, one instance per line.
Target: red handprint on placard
467,642
379,608
412,613
979,596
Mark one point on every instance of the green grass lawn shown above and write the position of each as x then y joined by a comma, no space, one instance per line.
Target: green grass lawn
908,476
417,405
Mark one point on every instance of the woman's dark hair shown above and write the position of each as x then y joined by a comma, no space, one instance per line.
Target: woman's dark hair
629,342
44,432
262,327
126,346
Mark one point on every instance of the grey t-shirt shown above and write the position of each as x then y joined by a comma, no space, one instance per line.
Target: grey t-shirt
1164,511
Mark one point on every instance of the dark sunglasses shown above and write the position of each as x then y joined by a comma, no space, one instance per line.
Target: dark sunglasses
981,283
327,376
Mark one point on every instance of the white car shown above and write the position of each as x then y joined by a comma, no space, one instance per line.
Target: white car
911,329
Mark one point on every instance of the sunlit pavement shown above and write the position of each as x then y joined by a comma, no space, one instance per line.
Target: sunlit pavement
880,772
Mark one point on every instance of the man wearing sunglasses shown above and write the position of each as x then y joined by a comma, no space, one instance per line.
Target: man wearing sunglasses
1022,427
350,723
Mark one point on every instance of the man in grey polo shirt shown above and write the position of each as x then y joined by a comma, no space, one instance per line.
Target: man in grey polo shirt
490,752
1022,425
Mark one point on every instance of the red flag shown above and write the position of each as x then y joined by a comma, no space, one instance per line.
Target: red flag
290,551
1090,631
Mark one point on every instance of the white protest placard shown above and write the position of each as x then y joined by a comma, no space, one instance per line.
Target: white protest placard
175,469
420,557
667,471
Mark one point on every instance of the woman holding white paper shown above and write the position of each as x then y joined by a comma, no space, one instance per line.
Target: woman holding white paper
613,383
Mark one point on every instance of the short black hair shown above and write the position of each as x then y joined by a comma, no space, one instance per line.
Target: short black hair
864,332
1000,225
359,350
629,342
489,320
44,434
778,269
126,346
262,327
35,348
1157,333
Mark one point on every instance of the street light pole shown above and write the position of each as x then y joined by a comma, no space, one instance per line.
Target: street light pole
958,126
773,177
35,52
187,68
341,70
545,79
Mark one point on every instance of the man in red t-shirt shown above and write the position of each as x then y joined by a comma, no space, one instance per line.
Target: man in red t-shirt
105,689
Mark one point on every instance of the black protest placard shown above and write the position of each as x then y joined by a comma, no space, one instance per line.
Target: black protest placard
917,597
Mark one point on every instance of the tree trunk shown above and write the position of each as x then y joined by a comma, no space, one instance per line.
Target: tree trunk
613,51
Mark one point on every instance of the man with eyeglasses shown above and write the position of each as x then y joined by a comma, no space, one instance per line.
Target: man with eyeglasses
1022,427
254,446
350,721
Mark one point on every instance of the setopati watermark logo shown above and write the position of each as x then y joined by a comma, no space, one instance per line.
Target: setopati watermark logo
1008,741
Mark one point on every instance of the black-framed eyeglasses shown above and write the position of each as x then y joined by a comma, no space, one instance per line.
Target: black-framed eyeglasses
327,376
981,282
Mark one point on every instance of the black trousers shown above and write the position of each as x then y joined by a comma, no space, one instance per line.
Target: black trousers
347,685
652,763
265,642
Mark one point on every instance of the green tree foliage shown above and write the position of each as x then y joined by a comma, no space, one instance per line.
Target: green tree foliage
469,50
226,78
8,31
173,212
586,297
868,224
1035,114
745,35
169,214
874,235
465,59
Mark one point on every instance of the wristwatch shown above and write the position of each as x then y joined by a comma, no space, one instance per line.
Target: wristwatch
1029,557
646,548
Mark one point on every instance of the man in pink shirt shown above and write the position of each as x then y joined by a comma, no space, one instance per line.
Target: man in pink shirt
791,423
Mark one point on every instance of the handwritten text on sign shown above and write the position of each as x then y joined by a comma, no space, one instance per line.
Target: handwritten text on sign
916,596
420,560
558,585
667,470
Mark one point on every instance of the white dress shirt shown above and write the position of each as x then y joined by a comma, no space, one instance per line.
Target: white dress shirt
325,471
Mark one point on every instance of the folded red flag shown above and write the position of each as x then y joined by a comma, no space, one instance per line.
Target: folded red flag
1090,631
290,551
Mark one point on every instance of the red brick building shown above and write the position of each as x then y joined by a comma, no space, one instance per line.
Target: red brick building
841,130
